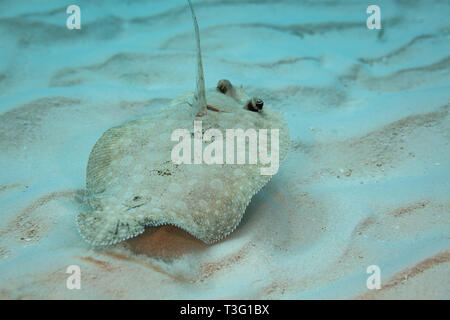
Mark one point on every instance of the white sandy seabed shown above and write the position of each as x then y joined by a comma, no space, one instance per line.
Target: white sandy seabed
366,182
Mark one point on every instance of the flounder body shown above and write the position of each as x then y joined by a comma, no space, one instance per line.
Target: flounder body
133,182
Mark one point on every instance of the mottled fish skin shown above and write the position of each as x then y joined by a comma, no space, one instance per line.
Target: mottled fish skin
132,182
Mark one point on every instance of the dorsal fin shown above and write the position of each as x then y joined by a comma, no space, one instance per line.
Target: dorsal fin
200,95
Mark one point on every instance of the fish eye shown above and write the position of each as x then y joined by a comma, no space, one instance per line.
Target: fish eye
259,103
224,86
254,105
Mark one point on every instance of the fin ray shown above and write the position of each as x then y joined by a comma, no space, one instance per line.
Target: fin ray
200,92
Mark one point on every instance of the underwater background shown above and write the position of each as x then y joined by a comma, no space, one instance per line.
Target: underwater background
366,182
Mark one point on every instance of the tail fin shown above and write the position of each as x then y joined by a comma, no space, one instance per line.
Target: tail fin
200,96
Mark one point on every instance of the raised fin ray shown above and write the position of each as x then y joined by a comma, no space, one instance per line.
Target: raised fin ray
200,92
